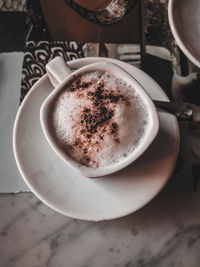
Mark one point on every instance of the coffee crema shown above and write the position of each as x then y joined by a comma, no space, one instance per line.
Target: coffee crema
98,119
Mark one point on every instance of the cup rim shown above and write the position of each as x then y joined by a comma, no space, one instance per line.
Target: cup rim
147,139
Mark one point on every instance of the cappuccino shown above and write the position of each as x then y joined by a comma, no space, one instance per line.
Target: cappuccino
98,119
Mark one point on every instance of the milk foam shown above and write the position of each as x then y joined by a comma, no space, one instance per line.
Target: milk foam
99,119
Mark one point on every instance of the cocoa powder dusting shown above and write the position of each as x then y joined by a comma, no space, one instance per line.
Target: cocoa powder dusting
97,120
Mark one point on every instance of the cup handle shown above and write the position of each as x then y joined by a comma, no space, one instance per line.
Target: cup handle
57,70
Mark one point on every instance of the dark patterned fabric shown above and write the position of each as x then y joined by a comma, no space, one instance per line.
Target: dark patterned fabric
37,55
14,5
111,14
157,28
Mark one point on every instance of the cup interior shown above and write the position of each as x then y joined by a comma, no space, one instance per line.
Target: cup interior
147,138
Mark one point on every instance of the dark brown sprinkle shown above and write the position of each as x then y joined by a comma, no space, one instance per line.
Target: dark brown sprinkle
85,151
113,98
89,135
117,140
103,110
81,121
85,85
90,93
82,131
114,127
98,93
88,159
110,114
127,102
96,103
99,122
92,129
86,110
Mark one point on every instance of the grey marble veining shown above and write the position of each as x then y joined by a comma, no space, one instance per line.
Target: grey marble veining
164,233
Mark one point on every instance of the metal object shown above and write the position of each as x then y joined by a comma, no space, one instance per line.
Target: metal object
181,110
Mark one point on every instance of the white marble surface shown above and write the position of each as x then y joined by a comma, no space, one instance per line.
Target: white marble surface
166,232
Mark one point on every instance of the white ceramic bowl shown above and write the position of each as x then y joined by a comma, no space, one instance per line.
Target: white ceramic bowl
148,137
184,20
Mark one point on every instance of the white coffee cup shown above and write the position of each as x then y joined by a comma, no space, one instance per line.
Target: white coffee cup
60,75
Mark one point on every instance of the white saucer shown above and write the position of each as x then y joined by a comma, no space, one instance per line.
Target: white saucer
117,195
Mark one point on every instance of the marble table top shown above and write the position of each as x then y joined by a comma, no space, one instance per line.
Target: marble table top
166,232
